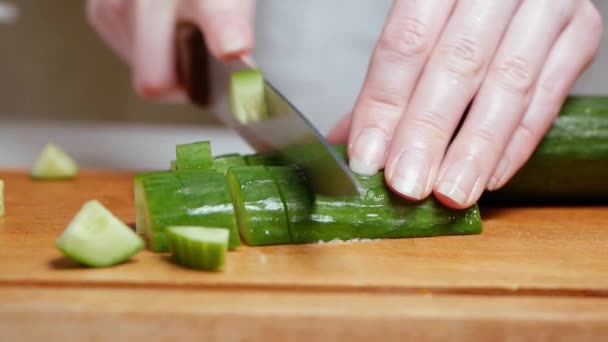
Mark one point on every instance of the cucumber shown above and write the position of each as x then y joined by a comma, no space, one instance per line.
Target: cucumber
223,162
376,213
264,159
260,213
247,96
201,248
194,156
173,165
96,238
1,198
182,198
570,164
53,163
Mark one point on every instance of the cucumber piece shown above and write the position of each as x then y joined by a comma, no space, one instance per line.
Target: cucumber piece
201,248
264,159
260,213
247,96
194,156
53,163
96,238
376,213
571,162
224,162
173,165
182,198
1,198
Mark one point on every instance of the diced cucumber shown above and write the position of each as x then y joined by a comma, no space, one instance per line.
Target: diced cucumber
1,198
194,156
260,213
96,238
54,163
200,248
224,162
247,96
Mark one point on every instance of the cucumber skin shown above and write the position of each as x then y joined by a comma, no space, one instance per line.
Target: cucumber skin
186,198
570,164
224,162
194,156
258,205
378,213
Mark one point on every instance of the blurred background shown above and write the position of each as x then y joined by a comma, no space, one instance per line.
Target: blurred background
59,82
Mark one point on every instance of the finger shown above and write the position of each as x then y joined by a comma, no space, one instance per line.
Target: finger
450,80
339,134
153,51
111,18
226,24
407,39
501,101
568,59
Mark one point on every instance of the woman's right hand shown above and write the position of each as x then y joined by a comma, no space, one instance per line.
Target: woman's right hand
142,33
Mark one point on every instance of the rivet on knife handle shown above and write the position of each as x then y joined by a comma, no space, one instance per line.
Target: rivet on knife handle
192,59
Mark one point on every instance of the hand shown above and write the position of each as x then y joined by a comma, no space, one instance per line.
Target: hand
508,64
142,32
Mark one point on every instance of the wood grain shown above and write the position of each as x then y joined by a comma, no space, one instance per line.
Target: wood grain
534,272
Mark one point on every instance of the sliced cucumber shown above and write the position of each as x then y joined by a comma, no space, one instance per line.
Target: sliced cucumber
247,97
224,162
194,156
200,248
54,163
1,198
96,238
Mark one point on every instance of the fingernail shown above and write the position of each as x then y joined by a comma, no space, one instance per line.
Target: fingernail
231,40
458,181
498,174
368,151
409,176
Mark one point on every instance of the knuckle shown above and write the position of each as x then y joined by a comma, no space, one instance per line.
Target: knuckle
462,57
486,138
384,105
430,124
515,75
405,38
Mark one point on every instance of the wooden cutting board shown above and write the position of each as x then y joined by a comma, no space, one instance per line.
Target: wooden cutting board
534,274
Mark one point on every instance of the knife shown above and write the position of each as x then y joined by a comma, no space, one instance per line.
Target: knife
285,131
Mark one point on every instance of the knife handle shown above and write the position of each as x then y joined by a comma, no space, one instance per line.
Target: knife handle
192,63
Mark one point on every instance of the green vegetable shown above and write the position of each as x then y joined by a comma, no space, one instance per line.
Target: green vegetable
200,248
1,198
247,96
194,156
53,163
182,198
259,209
571,163
173,165
266,159
224,162
97,238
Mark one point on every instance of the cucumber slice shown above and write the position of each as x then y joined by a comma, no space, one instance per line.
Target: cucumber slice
1,198
54,163
200,248
224,162
247,97
194,156
96,238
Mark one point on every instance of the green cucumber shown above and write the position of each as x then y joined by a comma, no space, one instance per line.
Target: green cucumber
247,96
201,248
182,198
570,164
264,159
194,156
1,198
376,213
97,238
53,163
223,162
259,209
173,165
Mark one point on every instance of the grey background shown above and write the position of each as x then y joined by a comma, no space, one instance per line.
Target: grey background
59,82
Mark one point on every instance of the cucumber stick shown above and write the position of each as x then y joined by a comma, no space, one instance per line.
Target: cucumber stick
182,198
1,198
247,96
200,248
194,156
259,209
53,163
96,238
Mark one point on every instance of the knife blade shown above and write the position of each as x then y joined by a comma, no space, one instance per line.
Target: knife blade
286,130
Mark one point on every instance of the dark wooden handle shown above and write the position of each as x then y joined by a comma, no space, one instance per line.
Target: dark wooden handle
192,59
